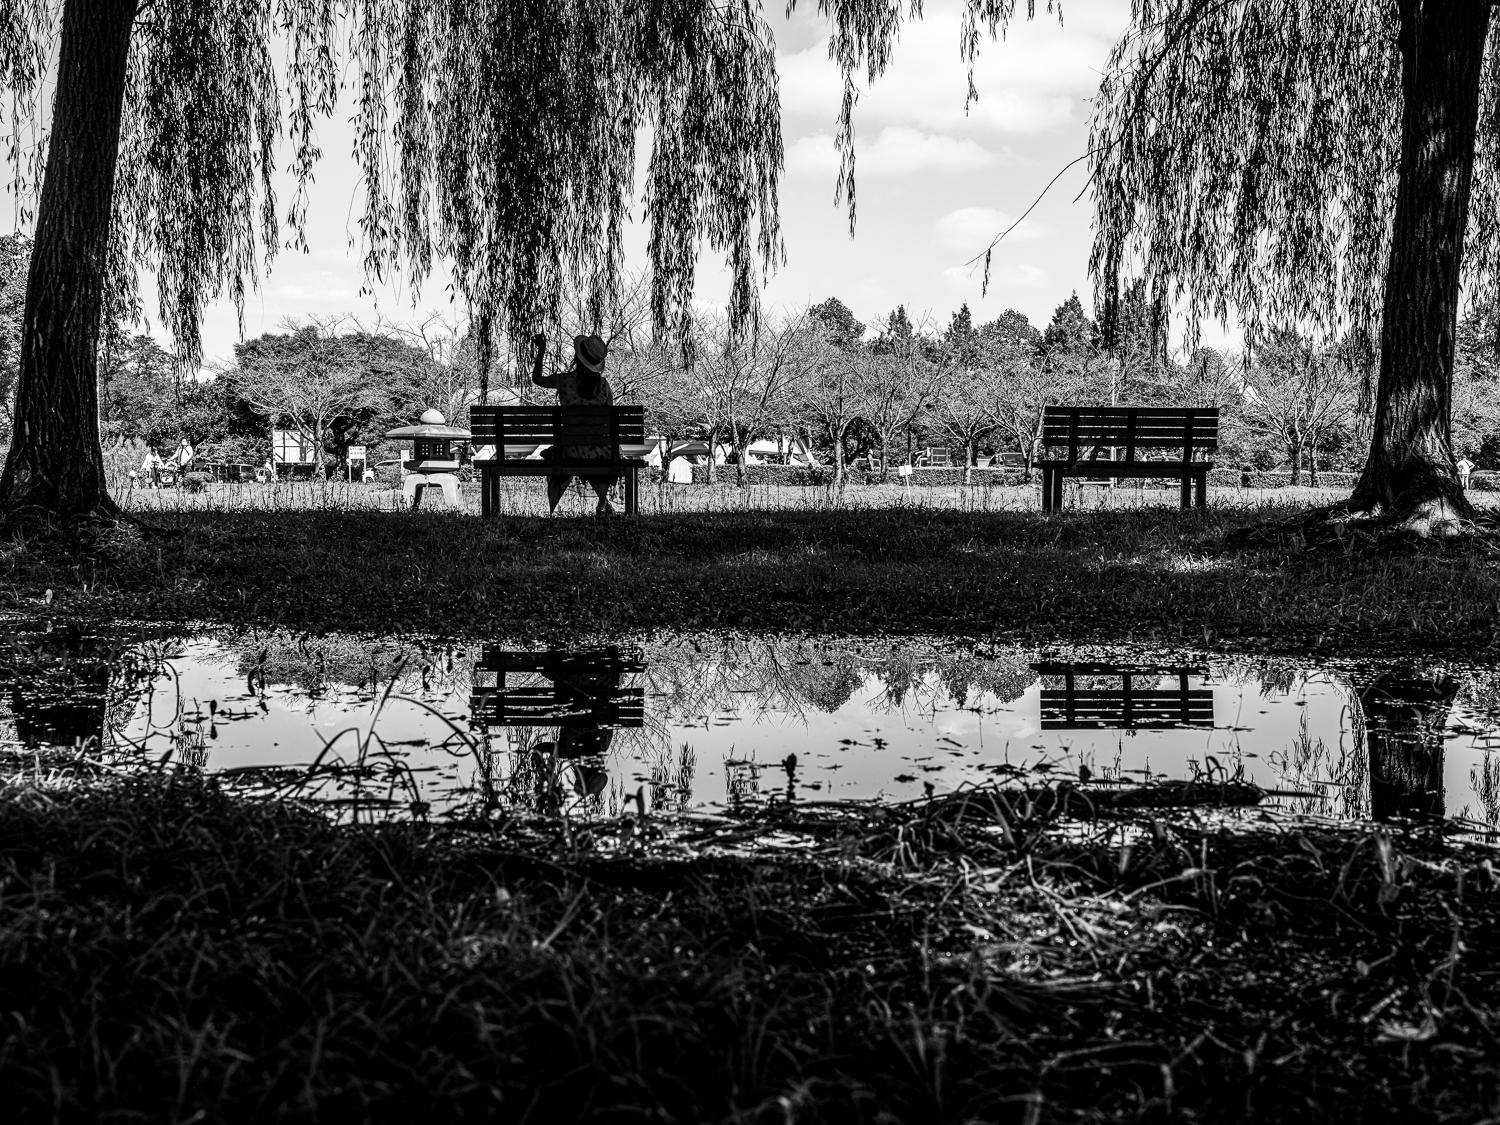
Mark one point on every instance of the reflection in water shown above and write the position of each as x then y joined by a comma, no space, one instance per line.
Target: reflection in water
1122,696
582,695
465,730
1405,718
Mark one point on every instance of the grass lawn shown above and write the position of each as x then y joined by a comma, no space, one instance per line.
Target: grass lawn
970,565
170,953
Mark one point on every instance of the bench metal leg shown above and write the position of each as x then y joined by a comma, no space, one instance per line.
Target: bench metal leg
1187,491
632,491
1057,490
1046,490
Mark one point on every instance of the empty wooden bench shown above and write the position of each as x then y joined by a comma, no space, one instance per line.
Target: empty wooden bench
1104,441
517,432
1128,706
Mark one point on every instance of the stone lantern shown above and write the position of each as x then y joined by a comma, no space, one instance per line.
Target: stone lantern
433,461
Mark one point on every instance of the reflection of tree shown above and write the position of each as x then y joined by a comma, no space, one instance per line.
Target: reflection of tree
70,688
314,664
793,675
1405,712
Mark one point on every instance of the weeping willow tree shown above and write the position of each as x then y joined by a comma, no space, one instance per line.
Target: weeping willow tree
1328,164
1318,164
496,135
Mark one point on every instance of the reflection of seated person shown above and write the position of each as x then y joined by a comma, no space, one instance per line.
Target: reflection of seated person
574,743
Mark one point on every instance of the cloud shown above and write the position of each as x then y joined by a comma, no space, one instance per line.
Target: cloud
972,228
1035,79
895,151
1008,275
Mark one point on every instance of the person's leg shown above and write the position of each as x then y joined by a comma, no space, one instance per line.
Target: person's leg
556,486
602,486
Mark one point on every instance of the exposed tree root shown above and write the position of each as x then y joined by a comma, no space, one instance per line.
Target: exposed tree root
1436,519
105,521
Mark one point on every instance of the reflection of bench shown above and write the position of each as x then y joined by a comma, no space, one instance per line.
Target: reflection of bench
1115,434
557,689
516,431
1128,706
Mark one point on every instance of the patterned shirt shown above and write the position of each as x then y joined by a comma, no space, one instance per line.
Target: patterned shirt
569,393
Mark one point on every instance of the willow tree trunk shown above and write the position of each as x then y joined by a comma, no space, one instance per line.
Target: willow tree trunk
55,463
1410,472
1405,714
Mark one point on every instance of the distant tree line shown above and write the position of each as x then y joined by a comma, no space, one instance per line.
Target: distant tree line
850,391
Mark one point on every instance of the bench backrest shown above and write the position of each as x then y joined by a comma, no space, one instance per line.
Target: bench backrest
584,689
1131,427
550,425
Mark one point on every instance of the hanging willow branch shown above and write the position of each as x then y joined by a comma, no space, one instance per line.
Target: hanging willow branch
500,135
1245,151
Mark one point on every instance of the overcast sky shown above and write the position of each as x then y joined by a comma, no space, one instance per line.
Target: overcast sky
934,184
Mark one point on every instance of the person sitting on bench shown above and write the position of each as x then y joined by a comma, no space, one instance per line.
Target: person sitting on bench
583,384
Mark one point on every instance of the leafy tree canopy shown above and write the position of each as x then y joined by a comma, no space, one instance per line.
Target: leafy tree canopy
840,323
1070,331
499,134
1013,332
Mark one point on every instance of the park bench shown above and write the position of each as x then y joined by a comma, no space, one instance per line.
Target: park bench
1127,706
1102,442
516,432
583,689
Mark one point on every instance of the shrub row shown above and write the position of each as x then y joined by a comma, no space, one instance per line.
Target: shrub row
1486,480
937,478
798,475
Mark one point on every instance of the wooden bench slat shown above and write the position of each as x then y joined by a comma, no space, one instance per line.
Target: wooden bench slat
1090,434
512,430
1060,434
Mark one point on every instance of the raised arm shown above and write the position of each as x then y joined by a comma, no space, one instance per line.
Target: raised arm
540,342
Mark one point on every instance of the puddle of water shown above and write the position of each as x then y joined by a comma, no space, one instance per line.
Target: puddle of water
704,722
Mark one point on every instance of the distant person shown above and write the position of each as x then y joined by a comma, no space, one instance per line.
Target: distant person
1465,467
582,384
151,468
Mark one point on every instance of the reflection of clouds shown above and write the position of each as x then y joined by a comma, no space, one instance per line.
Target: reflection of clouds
771,695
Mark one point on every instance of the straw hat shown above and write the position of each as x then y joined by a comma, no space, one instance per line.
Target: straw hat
590,352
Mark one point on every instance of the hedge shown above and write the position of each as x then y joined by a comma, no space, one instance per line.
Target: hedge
823,475
987,477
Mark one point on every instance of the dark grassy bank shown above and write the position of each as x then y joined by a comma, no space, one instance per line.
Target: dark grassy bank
1156,574
170,954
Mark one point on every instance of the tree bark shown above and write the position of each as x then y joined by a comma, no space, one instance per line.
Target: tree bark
1405,713
740,438
55,463
1410,473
